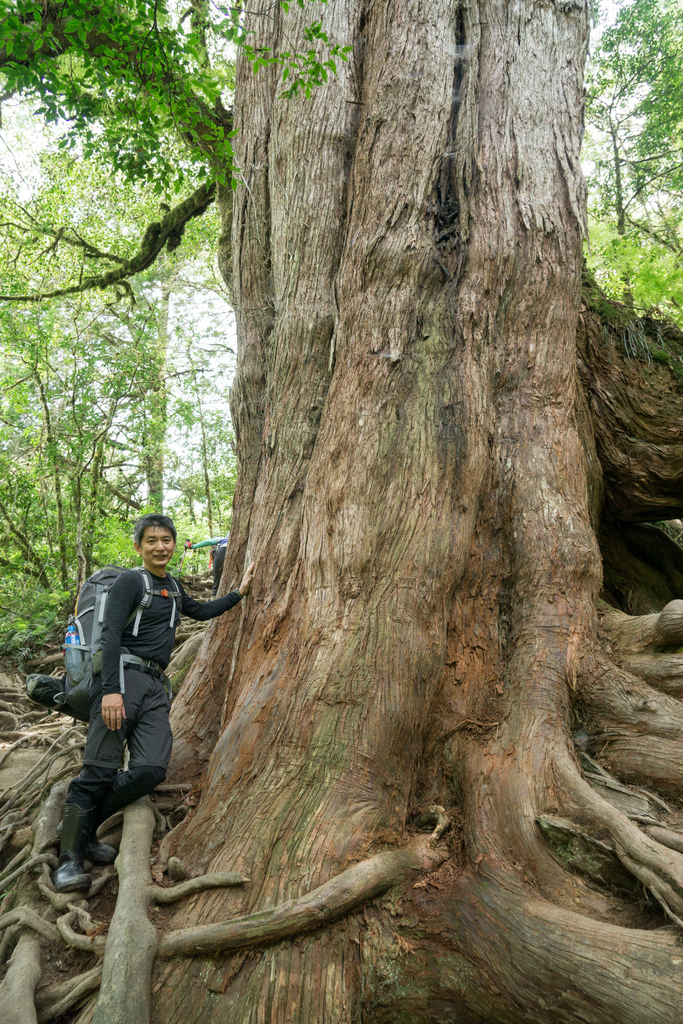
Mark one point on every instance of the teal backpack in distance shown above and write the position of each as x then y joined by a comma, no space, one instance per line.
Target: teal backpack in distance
83,643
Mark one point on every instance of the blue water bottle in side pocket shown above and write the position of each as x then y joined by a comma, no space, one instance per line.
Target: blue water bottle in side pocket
74,651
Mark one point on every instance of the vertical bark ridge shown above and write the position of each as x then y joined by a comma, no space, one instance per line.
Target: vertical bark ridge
250,215
308,212
534,532
286,254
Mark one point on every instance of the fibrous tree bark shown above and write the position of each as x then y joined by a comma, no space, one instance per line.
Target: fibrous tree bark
435,438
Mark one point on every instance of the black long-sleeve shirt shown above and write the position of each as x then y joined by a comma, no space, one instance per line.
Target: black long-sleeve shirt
155,637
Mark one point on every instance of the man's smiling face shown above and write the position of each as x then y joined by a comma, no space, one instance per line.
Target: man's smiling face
156,548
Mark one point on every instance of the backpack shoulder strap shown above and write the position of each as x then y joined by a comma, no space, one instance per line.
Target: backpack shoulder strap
146,599
177,603
150,590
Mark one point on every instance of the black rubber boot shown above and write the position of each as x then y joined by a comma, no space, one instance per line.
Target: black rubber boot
100,853
97,852
76,828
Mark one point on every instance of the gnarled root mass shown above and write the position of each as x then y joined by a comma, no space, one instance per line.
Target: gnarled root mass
132,942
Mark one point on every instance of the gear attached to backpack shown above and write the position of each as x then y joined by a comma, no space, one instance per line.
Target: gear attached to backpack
83,643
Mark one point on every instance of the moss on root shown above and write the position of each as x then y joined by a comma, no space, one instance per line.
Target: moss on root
646,338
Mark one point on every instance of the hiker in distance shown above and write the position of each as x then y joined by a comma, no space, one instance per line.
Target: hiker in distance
128,698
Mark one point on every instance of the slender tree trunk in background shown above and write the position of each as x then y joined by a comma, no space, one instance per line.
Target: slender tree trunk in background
25,546
80,546
619,207
95,474
48,531
205,465
52,453
157,407
619,194
422,476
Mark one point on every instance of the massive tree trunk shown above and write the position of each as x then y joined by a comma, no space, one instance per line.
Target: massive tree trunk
423,480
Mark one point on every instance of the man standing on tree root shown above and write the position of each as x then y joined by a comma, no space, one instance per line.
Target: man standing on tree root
128,699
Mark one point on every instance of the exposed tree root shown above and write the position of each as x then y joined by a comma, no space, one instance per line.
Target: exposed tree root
48,817
352,888
132,940
46,762
54,1000
165,847
62,900
646,758
217,880
8,940
87,943
12,822
636,708
622,701
32,862
583,853
16,861
39,853
661,671
659,868
504,955
27,917
6,753
74,927
16,991
633,633
674,840
639,806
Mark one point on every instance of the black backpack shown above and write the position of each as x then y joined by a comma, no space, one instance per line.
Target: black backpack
82,658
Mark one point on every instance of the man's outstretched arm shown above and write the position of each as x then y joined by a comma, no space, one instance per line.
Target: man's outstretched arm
203,610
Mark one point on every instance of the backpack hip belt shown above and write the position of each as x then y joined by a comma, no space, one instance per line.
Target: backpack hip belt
132,659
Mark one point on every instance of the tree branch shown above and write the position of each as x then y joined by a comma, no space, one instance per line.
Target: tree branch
76,241
26,547
167,232
646,230
31,569
120,495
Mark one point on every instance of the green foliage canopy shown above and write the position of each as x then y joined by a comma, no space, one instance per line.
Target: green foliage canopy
635,143
130,81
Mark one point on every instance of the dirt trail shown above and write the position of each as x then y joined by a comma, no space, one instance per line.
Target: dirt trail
25,730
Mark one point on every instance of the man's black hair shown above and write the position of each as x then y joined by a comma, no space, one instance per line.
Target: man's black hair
153,519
